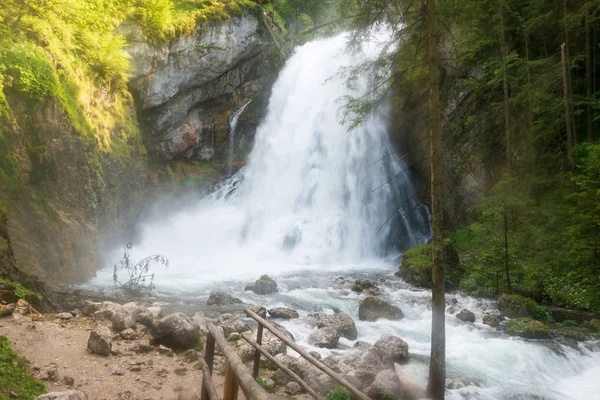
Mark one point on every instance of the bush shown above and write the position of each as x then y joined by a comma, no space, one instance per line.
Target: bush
339,393
28,71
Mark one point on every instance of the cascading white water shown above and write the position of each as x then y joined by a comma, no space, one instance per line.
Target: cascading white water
306,207
307,198
233,120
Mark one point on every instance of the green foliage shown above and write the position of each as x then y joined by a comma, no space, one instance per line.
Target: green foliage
28,71
527,328
163,20
269,388
15,376
268,364
200,341
339,393
21,291
417,265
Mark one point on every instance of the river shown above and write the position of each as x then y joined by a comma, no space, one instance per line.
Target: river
318,204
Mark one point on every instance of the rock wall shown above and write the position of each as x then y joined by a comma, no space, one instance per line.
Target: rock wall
66,188
470,163
73,195
187,90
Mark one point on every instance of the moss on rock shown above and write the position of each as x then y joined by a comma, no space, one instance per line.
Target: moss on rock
363,284
515,306
527,328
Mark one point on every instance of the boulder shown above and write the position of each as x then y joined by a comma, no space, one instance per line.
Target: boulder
261,311
283,313
292,388
326,337
527,328
392,348
47,372
156,312
100,341
373,308
66,395
129,334
466,315
64,315
412,390
107,310
493,320
273,344
515,306
319,381
280,378
217,298
90,307
361,285
7,310
264,285
142,315
176,331
200,321
122,321
341,322
368,364
230,324
283,330
386,386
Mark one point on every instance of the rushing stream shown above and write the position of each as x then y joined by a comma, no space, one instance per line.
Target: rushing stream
315,203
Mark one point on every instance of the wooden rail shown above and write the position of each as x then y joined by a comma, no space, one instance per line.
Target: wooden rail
237,375
263,323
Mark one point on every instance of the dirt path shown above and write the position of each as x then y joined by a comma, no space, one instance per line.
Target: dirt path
57,350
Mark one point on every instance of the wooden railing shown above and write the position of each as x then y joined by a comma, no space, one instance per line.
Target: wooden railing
236,374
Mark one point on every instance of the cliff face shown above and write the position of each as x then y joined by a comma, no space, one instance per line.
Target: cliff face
69,192
186,90
470,163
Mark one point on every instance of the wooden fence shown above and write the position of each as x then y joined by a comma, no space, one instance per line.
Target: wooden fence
236,374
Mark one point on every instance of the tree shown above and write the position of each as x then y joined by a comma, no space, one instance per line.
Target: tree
437,363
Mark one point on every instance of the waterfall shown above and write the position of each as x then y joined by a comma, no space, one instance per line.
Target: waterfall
318,200
233,120
315,195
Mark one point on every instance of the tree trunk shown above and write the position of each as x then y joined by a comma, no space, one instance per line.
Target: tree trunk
565,69
588,74
568,77
437,364
505,89
506,267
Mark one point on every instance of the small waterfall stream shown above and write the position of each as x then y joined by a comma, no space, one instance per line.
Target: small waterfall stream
233,120
312,204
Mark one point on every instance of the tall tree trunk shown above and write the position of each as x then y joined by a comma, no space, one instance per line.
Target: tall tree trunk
568,77
565,69
437,364
503,51
588,73
506,266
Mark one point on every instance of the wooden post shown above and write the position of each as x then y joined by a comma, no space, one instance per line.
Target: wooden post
209,356
285,369
259,333
231,385
207,383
